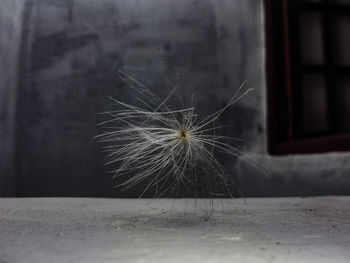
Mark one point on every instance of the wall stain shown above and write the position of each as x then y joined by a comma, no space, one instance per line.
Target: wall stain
47,50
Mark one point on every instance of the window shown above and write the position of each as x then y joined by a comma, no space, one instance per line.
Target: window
308,65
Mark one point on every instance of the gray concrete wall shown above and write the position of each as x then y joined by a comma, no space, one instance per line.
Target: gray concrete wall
71,50
10,35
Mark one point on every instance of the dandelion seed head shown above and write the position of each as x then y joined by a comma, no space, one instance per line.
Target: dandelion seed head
170,150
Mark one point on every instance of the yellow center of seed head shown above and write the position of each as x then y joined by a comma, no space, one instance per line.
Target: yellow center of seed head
183,135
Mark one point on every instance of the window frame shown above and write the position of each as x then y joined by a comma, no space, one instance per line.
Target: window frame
283,88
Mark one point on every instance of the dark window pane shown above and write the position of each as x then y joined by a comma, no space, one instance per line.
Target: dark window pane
311,43
311,1
341,88
314,103
340,35
345,2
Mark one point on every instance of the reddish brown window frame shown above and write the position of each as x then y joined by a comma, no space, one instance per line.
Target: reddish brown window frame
282,83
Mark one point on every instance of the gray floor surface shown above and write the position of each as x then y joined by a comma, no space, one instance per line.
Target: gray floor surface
184,230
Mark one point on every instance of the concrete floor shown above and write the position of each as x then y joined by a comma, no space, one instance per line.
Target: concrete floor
161,230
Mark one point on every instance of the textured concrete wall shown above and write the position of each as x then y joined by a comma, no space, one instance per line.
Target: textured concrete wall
10,34
69,57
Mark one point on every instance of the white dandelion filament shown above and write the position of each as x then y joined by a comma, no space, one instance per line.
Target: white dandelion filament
169,149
